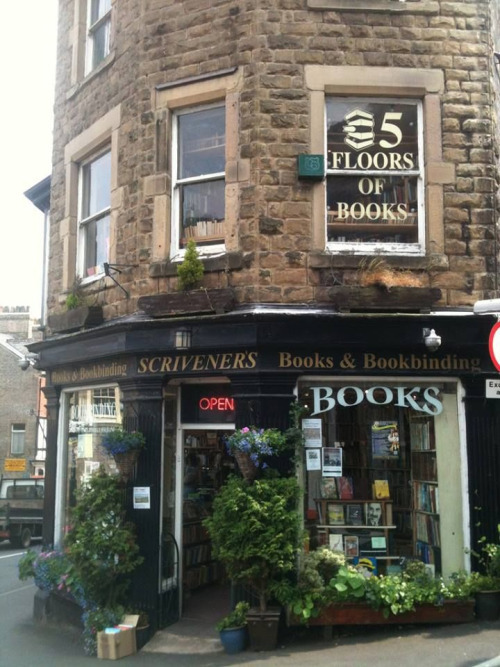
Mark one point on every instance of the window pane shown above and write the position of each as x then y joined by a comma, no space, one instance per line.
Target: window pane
202,207
202,140
96,244
389,215
97,185
100,42
98,9
85,431
17,439
371,135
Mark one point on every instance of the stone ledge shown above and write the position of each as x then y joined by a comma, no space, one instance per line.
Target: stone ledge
324,260
379,298
227,262
190,302
410,7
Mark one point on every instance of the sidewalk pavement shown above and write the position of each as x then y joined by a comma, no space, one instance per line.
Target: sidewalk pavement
192,643
468,645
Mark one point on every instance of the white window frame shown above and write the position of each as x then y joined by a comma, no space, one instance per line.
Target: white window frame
386,248
20,434
177,253
83,222
103,20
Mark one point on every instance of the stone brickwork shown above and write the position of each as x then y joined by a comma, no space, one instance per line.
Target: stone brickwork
271,42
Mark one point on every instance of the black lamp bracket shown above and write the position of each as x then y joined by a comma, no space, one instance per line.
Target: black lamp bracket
115,268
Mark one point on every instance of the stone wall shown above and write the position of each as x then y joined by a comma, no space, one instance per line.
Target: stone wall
271,42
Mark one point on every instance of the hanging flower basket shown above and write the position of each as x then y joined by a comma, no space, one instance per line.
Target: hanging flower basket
250,446
124,447
125,462
247,467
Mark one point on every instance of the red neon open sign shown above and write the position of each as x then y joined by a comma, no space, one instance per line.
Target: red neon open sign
219,403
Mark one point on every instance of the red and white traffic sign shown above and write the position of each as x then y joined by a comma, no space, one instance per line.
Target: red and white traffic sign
494,345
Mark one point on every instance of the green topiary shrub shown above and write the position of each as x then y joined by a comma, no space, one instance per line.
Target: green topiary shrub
101,544
190,271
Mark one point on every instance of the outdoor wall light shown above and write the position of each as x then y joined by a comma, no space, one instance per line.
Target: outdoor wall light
182,339
27,361
431,339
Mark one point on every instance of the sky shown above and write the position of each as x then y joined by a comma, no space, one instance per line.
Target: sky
27,75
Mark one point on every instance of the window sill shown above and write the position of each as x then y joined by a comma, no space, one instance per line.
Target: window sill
222,262
325,260
107,62
406,7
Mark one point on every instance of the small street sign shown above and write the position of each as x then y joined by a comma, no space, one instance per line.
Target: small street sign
15,465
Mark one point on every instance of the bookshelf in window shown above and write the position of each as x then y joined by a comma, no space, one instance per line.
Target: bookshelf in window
425,492
369,520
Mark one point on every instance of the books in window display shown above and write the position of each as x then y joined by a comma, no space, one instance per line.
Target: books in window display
329,488
345,488
354,515
381,489
427,529
372,544
427,497
419,436
335,514
336,541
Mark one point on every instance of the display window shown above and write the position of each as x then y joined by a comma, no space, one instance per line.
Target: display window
88,414
383,471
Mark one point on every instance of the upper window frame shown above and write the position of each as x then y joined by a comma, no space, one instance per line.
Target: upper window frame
85,220
92,27
386,247
426,85
18,431
178,182
83,147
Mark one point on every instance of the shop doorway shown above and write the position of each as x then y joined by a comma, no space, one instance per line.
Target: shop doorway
195,465
205,466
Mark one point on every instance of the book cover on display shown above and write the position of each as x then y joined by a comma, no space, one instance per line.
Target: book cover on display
336,542
385,440
329,488
381,489
345,488
351,546
332,461
335,514
354,515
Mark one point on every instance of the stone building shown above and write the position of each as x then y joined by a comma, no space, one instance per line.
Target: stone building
335,162
22,418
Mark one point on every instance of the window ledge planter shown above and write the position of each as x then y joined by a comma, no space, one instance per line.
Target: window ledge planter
191,301
378,297
76,318
360,613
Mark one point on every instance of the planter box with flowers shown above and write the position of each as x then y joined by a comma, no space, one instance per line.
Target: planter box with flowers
124,447
331,592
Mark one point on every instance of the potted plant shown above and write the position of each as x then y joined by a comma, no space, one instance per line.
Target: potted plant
124,447
255,532
486,585
233,628
78,314
191,269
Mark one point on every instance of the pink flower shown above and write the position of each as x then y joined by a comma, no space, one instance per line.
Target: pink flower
245,429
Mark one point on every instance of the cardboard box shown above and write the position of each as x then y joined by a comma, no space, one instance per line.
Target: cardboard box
116,645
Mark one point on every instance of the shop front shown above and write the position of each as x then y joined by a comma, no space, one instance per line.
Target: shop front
400,440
